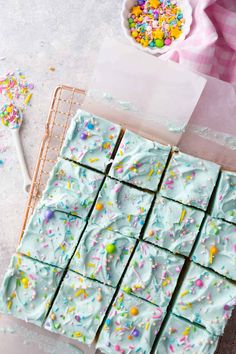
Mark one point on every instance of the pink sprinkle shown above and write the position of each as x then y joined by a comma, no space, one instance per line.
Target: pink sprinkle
167,41
164,274
119,170
99,269
178,269
199,283
171,348
117,188
117,347
220,197
187,346
169,182
32,276
96,258
159,314
234,248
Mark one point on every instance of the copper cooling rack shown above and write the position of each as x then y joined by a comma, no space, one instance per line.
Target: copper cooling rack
65,102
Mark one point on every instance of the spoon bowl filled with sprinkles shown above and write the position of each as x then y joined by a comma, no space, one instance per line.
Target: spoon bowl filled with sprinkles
156,26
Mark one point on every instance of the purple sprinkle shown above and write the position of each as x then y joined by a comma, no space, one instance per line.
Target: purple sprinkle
83,136
135,332
48,214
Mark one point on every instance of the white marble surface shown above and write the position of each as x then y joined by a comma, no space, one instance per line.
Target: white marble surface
36,35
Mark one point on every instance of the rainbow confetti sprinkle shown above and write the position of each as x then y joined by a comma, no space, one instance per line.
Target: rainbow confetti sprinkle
14,87
11,116
156,23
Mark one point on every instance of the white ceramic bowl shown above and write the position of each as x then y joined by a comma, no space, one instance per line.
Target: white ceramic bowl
187,13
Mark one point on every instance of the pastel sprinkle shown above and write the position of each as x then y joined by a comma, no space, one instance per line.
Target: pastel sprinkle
11,116
155,23
213,252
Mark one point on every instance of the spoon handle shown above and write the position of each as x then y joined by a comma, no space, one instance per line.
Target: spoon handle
21,158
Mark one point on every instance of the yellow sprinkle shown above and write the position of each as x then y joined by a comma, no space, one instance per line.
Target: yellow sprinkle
172,173
106,145
10,96
89,264
158,34
94,159
63,247
184,293
183,308
74,213
175,32
117,329
110,203
9,305
77,255
154,3
110,228
144,42
213,252
25,282
138,286
151,172
121,153
18,262
186,331
147,326
71,309
133,169
129,218
79,292
182,215
166,282
68,185
77,334
28,98
28,253
134,34
136,10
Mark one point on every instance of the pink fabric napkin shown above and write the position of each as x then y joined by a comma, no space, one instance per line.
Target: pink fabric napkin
210,47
